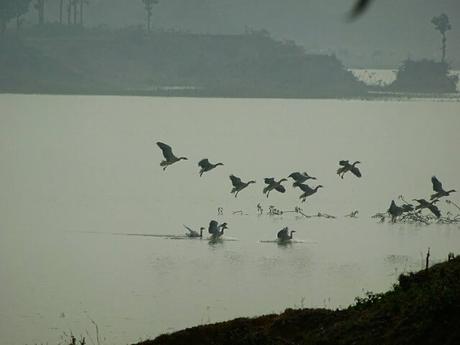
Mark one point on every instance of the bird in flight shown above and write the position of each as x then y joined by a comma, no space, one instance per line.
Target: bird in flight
205,165
359,8
437,187
238,185
273,185
346,166
170,158
422,203
300,178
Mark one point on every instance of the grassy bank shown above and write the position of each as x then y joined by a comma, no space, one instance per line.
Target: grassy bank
423,308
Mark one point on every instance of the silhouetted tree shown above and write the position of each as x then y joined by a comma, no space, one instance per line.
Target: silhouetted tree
21,7
148,4
40,7
10,9
441,23
61,8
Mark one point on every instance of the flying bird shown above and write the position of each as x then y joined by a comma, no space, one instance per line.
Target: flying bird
206,166
238,185
359,8
273,185
346,166
300,178
170,158
307,191
283,235
193,233
422,203
437,187
215,229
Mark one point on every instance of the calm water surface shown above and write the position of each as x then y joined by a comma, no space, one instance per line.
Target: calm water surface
79,172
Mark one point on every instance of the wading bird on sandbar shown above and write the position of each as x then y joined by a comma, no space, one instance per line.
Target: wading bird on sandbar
206,166
170,158
238,185
273,185
346,166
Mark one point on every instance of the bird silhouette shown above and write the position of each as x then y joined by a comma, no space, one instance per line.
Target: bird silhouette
206,166
193,233
215,229
238,185
395,211
273,185
437,187
300,178
307,191
169,156
422,203
283,235
359,8
346,166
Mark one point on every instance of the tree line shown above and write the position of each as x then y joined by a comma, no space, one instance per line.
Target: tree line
71,12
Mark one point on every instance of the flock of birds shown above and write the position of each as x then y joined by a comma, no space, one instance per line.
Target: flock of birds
396,211
217,230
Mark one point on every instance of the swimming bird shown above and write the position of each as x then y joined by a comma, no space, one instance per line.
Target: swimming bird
272,184
437,187
206,166
170,158
283,235
395,211
238,185
422,203
346,166
193,233
307,191
215,229
300,178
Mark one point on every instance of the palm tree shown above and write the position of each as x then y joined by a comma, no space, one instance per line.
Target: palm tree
40,7
441,23
148,4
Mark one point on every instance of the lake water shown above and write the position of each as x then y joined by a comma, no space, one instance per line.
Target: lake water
78,173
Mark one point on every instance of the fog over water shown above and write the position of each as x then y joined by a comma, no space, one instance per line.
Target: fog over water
77,172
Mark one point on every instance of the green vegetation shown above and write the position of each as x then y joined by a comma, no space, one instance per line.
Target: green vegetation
424,308
70,59
425,76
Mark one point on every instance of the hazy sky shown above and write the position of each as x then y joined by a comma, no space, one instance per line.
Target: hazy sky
398,28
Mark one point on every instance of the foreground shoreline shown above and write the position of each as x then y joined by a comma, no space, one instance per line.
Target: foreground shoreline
423,308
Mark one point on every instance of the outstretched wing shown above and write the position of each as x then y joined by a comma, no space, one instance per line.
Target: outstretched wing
297,176
437,185
344,163
191,230
236,181
435,210
167,151
213,227
204,163
269,180
305,187
280,188
355,171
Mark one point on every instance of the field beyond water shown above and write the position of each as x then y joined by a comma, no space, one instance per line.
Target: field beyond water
423,308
